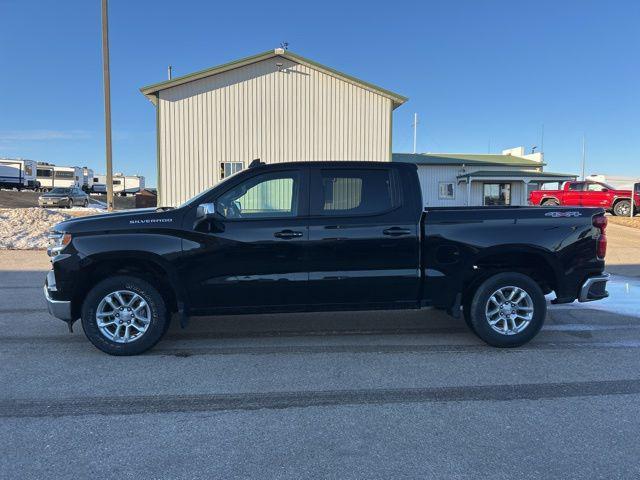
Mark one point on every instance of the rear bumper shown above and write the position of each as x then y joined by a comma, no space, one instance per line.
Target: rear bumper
594,288
58,308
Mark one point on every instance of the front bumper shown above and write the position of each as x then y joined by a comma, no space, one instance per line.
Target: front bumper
594,288
54,202
58,308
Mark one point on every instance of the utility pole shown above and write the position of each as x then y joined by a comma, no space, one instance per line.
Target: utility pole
107,101
415,132
583,156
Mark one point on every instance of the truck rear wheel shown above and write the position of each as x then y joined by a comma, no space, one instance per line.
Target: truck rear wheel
550,203
124,315
507,310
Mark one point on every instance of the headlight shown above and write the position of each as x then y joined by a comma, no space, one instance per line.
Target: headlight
57,242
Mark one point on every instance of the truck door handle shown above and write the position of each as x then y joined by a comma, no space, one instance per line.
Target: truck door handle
287,234
396,231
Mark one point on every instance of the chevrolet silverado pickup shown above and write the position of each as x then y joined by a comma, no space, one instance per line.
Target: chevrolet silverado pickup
321,236
588,194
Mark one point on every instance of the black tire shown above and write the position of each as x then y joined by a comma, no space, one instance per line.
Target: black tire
160,316
621,208
550,202
478,318
86,203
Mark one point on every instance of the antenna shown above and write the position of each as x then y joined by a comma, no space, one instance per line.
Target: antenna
284,45
584,155
542,139
169,68
415,132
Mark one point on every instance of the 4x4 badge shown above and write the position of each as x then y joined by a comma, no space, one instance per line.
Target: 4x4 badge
562,214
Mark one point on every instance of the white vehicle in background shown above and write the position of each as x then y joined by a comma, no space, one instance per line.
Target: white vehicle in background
123,184
87,179
18,173
51,176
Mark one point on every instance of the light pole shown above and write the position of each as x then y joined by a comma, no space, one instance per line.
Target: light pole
107,101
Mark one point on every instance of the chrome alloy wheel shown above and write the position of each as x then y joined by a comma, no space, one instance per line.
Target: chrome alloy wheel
509,310
123,316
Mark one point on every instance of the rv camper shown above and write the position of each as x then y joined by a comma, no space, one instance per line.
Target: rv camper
18,173
51,176
87,179
123,184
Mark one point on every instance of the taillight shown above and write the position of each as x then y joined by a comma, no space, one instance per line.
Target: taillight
600,222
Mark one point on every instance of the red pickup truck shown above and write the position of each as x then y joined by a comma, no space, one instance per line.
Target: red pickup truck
588,194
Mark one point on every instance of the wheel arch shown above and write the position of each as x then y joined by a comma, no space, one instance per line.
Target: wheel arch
534,262
149,267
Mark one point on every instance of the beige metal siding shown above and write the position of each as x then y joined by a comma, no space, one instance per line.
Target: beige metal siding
257,111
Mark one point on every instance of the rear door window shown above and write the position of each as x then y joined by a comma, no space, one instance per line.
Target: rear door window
576,186
340,192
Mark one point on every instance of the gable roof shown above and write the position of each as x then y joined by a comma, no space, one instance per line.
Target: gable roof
150,91
476,159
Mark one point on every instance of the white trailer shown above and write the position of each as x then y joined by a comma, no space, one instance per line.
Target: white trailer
123,184
18,173
51,176
87,179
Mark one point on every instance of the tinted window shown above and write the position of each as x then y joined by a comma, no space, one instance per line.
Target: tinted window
46,173
59,174
576,186
270,195
357,192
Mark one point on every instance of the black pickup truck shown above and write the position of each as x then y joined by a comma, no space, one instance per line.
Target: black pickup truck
321,236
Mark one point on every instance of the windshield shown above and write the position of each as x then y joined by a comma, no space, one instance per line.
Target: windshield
61,190
195,200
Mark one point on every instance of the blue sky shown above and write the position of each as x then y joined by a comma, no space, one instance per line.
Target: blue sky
481,74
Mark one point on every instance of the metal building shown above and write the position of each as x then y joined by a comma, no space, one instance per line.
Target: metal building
276,106
450,179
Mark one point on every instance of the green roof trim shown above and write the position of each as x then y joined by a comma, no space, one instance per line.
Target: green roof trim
517,174
151,91
475,159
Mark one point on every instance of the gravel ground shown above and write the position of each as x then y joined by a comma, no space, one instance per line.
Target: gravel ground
626,221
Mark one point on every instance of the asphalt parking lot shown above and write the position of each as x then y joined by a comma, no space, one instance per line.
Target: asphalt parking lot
367,395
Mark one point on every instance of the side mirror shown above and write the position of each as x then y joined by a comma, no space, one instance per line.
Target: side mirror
205,211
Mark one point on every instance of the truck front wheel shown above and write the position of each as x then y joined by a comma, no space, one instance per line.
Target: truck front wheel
124,315
507,310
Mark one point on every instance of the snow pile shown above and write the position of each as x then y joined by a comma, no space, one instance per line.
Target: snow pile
27,228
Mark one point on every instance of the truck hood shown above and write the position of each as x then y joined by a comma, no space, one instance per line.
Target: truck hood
128,220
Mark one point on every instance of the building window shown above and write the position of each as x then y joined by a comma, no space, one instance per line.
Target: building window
95,179
229,168
497,194
446,191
